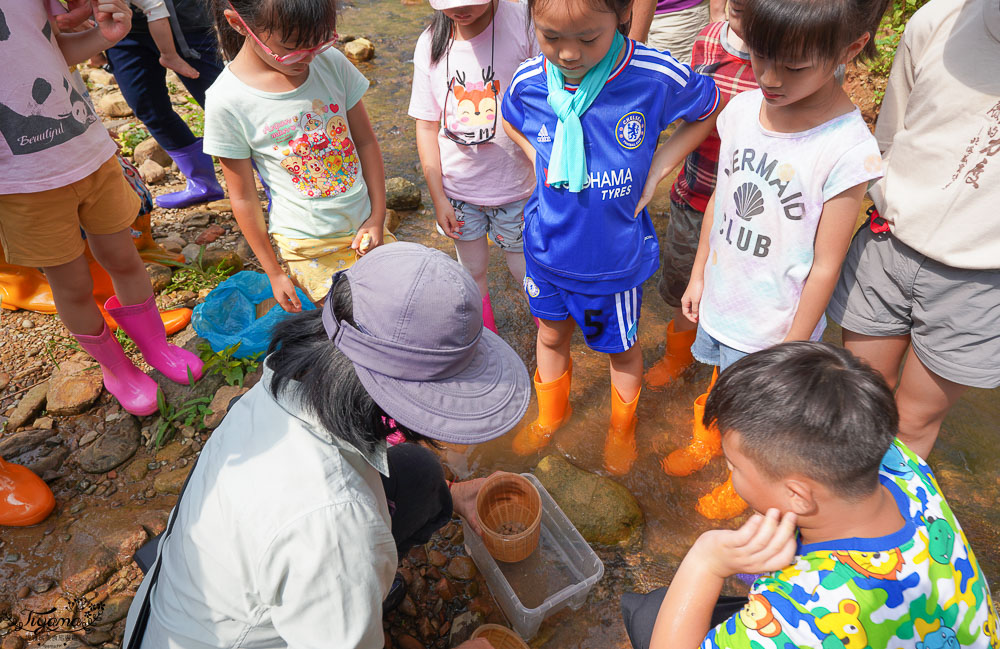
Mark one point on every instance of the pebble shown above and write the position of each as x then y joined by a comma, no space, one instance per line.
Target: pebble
88,437
73,387
23,592
65,537
12,642
437,558
43,585
199,219
461,568
4,380
210,234
27,324
12,557
78,507
407,607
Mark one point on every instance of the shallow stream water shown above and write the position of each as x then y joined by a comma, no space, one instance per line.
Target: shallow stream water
966,460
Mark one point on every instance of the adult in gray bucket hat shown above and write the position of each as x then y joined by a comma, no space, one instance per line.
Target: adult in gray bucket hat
288,531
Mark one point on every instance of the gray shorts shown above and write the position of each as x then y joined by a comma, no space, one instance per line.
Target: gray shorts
678,249
504,223
952,315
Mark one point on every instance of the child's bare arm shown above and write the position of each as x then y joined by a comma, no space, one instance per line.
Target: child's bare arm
671,153
430,162
250,218
833,238
520,141
762,544
113,21
691,299
374,174
163,36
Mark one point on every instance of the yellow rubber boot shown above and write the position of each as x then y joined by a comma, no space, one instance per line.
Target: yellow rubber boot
619,446
706,443
553,411
676,358
722,502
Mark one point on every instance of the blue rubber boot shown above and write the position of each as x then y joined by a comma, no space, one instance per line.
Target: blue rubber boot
202,186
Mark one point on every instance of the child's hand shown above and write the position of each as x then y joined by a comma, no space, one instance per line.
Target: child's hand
77,14
763,544
113,18
446,219
647,193
179,65
691,299
367,239
284,292
463,497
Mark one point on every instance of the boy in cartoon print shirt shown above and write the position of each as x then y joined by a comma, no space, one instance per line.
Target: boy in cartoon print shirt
914,583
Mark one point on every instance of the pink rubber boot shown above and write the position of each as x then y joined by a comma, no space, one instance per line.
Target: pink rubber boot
488,320
143,325
133,389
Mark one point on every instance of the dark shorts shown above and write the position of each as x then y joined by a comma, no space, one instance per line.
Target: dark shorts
678,249
639,613
952,315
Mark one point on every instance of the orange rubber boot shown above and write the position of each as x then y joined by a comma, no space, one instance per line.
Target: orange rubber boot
175,319
619,446
24,498
25,288
676,358
706,443
722,502
553,411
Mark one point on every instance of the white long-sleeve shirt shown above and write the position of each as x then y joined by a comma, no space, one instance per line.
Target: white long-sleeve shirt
152,9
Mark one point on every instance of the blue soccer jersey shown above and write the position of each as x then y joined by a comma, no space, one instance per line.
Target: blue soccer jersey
589,241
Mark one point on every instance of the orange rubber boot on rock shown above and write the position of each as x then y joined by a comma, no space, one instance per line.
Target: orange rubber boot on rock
25,288
619,446
24,498
722,502
706,443
676,358
553,411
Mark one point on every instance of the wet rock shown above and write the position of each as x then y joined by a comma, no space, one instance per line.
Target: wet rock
112,448
407,607
425,629
15,445
152,172
461,568
63,641
221,205
603,510
407,641
392,220
45,459
101,77
481,605
149,149
210,234
30,403
96,638
12,642
74,387
220,404
172,243
43,585
115,608
227,259
173,452
23,592
243,248
4,380
191,252
44,423
159,276
462,627
360,50
172,481
401,194
177,394
199,219
444,590
437,558
113,104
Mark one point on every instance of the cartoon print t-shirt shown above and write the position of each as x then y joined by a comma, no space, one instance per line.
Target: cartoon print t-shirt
919,588
769,197
463,90
50,135
301,143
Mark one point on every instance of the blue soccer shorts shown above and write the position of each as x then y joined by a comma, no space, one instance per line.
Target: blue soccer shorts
609,322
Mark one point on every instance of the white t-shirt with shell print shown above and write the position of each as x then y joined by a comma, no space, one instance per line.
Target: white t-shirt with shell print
768,202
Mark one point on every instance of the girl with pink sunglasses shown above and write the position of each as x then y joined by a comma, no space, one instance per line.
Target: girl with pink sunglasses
290,104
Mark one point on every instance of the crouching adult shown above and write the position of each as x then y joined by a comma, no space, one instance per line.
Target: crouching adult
289,529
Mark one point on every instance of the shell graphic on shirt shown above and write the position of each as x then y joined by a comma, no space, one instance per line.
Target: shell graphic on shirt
320,156
749,201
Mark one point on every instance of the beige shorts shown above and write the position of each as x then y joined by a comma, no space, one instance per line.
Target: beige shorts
43,228
675,32
313,262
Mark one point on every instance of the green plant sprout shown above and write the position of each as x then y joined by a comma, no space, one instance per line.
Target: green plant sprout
190,413
233,370
194,277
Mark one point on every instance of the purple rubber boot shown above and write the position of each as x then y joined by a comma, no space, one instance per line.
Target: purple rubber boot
202,186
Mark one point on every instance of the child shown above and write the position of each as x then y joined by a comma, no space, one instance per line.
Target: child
158,21
795,160
478,178
291,103
923,283
588,113
720,53
58,173
862,547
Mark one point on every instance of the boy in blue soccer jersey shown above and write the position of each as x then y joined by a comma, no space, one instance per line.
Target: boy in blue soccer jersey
860,547
588,113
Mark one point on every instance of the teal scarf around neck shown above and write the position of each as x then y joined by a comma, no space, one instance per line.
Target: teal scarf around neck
568,162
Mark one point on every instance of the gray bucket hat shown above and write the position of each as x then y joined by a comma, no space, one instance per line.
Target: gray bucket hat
420,348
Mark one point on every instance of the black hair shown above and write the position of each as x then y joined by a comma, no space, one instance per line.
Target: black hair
306,23
809,408
329,387
441,29
617,7
814,30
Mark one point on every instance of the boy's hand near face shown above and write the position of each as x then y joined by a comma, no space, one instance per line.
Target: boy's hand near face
763,544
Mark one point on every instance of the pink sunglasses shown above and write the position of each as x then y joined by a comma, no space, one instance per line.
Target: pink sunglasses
290,58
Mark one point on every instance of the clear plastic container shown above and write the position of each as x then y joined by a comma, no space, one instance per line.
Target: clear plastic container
559,573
